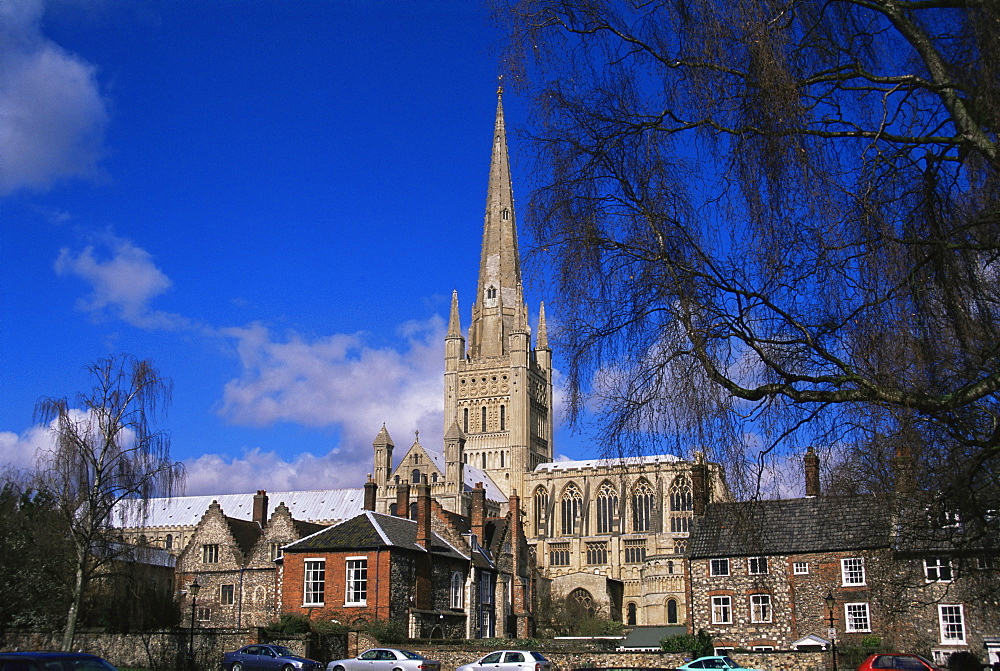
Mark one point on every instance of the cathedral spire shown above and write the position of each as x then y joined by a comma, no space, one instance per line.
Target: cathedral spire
499,290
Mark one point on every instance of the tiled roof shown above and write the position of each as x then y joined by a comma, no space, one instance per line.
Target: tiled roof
789,526
245,532
318,505
371,530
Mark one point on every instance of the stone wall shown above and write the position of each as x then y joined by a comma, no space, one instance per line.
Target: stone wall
566,659
154,650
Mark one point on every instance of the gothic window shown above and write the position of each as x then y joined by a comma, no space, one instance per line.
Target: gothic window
483,420
559,554
597,553
681,506
571,505
607,504
465,419
505,214
434,477
503,418
581,600
635,551
541,510
457,589
169,542
642,507
415,476
491,292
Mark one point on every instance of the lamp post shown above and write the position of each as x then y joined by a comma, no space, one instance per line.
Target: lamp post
193,591
832,632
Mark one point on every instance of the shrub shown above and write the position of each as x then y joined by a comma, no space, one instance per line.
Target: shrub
290,624
386,631
699,645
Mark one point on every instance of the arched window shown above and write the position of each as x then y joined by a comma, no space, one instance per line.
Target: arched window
642,507
581,602
671,611
607,504
457,589
169,542
484,461
483,420
541,510
571,505
413,510
392,509
502,455
503,418
681,505
434,477
415,476
631,611
465,420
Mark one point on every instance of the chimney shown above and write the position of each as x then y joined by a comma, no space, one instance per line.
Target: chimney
902,463
478,522
260,508
424,514
811,462
403,500
370,490
699,484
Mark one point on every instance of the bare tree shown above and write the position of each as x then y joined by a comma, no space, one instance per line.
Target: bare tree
105,453
775,223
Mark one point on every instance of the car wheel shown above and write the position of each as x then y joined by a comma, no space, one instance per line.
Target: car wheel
339,668
288,667
397,669
237,666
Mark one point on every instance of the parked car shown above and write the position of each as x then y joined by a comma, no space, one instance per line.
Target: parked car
896,660
385,659
267,658
714,662
509,660
52,661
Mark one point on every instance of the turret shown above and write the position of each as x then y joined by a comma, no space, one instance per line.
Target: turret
383,458
454,446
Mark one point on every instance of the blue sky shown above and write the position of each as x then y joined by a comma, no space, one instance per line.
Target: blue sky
271,200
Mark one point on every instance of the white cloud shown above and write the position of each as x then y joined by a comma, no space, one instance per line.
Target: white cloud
340,381
220,474
20,452
52,115
123,279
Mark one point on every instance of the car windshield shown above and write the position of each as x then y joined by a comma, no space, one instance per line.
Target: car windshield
282,651
538,657
730,663
410,655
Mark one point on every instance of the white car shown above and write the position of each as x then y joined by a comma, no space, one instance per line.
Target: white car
510,660
385,659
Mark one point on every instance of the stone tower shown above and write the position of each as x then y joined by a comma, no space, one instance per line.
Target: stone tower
498,392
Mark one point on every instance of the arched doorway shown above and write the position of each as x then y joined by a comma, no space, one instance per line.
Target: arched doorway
631,617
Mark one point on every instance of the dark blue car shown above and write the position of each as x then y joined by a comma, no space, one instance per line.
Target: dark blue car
267,658
52,661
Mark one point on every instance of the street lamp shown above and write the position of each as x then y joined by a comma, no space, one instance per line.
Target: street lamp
832,633
193,591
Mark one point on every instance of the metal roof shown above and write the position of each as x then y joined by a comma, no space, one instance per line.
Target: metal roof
604,463
317,505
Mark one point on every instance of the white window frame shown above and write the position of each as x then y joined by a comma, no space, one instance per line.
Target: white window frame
853,613
722,562
935,566
356,581
763,648
761,563
951,617
722,610
800,568
760,608
313,566
457,590
227,597
852,571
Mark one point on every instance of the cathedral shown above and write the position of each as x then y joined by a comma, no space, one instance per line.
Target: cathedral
608,534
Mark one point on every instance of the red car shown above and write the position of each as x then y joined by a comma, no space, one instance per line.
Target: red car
897,660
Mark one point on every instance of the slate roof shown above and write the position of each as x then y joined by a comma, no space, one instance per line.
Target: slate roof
371,530
604,463
790,526
318,505
648,638
246,533
471,474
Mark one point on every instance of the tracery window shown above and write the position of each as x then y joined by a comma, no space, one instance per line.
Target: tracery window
642,507
681,505
541,511
607,504
572,503
580,599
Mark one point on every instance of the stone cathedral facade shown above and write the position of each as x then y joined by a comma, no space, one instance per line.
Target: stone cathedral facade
608,534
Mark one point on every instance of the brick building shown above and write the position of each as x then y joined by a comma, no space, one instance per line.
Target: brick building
440,575
233,561
760,574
